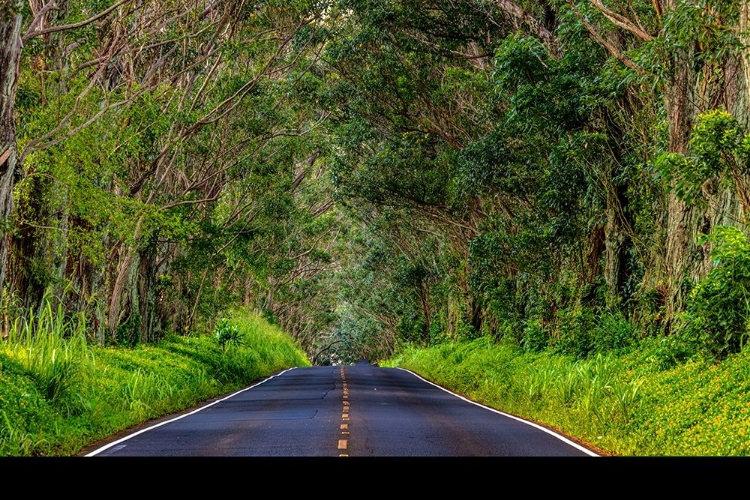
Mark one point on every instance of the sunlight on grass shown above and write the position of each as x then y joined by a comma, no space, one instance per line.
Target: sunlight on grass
59,393
621,404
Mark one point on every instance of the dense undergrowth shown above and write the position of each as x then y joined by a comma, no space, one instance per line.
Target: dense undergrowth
60,393
626,402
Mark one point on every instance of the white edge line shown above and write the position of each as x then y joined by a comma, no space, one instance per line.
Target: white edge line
540,427
106,447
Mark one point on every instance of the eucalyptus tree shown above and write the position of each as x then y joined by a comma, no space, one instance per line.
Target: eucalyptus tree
34,42
146,129
404,100
694,54
215,141
549,145
443,131
10,52
226,178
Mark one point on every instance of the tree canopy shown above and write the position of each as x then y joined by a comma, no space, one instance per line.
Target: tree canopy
366,173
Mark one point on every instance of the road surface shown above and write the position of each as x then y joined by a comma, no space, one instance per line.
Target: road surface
342,411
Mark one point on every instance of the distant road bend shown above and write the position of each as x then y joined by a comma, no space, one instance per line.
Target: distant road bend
356,410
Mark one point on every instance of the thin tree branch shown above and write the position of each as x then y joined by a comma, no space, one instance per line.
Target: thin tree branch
609,46
622,21
33,34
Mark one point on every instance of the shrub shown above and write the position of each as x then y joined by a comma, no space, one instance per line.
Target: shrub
227,334
535,338
613,331
574,331
716,317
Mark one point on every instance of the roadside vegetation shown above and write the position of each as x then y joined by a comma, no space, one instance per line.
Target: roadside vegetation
623,403
59,392
566,178
596,375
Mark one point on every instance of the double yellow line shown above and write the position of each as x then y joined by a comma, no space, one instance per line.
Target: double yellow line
344,442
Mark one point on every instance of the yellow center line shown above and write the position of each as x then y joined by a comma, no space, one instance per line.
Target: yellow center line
344,427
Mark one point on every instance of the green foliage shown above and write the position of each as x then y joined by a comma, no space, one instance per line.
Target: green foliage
667,352
583,332
614,331
693,408
718,309
719,149
52,348
535,338
718,140
574,331
58,393
24,412
226,334
128,333
622,403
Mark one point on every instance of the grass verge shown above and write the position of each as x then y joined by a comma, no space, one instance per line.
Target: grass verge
58,394
624,403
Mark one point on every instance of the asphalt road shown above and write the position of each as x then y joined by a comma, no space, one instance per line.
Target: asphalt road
338,411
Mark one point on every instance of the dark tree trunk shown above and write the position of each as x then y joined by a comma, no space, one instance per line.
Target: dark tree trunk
678,236
10,55
153,314
718,84
28,269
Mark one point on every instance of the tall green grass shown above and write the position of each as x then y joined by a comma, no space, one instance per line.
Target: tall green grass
58,393
52,348
620,402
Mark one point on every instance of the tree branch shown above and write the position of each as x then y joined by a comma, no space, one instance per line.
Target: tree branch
606,44
622,21
516,12
33,34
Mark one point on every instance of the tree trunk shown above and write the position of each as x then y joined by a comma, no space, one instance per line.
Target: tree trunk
10,56
689,94
741,110
614,255
120,285
678,238
152,317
